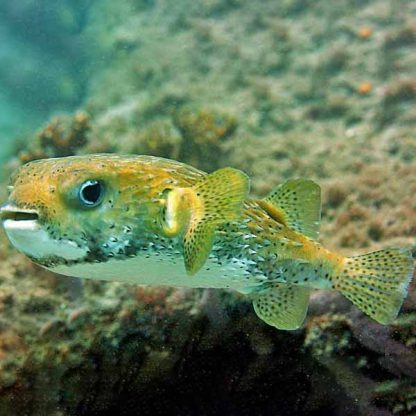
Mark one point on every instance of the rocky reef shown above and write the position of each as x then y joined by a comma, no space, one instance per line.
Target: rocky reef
294,89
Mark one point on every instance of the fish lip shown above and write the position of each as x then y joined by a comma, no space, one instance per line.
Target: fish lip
14,217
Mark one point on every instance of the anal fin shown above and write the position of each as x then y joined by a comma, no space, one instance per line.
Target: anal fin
283,306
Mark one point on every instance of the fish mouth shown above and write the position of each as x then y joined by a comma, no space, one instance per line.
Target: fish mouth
14,217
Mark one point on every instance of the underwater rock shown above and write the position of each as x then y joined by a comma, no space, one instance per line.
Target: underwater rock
128,348
202,134
148,352
63,136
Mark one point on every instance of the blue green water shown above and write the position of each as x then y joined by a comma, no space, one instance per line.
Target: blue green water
44,59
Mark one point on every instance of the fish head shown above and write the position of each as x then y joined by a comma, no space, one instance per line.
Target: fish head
86,208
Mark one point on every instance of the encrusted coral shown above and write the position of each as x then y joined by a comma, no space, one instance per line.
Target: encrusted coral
196,137
161,138
365,32
202,134
61,137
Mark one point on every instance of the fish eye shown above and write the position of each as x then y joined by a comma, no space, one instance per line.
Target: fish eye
91,193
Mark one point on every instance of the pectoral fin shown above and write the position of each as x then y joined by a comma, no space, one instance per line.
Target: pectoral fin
282,306
197,244
216,200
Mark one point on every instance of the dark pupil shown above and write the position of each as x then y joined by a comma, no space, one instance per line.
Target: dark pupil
91,193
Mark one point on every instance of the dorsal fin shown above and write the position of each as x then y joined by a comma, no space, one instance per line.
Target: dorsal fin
297,203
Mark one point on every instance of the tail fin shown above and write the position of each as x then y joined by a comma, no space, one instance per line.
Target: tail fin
377,282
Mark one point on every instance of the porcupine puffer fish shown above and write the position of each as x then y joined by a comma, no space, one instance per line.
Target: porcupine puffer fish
153,221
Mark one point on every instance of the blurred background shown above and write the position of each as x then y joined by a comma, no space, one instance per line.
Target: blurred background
45,57
294,88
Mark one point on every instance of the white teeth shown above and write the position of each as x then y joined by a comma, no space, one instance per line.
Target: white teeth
26,225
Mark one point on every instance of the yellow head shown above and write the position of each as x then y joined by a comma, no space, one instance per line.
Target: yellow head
89,208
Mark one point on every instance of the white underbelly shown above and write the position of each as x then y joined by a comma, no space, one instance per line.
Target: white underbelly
163,271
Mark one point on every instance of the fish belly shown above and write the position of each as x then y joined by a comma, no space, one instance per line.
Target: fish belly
164,270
